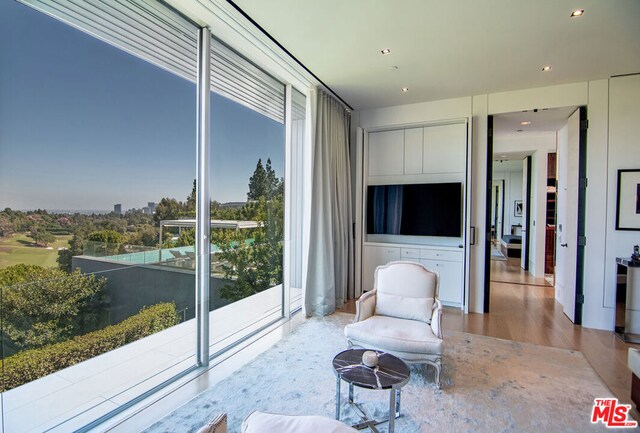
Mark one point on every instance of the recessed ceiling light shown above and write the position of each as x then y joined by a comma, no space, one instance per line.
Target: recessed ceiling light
503,156
577,13
405,89
546,68
385,51
519,130
393,68
526,122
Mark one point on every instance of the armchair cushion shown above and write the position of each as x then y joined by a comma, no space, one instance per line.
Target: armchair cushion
262,422
404,307
394,335
405,290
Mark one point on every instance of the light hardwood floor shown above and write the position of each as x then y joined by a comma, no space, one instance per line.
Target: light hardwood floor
529,313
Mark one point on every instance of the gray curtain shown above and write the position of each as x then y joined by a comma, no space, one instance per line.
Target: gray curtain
330,239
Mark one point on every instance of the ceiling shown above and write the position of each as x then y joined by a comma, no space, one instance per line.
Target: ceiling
446,49
510,124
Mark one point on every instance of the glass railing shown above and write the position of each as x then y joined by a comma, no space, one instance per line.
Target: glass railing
76,345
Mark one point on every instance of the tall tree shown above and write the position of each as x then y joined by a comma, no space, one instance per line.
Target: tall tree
191,200
258,186
271,181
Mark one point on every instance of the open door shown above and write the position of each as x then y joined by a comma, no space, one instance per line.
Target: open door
570,215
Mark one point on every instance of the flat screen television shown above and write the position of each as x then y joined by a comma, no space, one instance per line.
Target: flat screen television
425,209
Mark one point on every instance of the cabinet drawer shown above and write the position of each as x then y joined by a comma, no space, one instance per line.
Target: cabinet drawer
449,256
409,253
450,280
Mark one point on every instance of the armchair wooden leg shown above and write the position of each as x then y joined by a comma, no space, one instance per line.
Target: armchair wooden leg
438,365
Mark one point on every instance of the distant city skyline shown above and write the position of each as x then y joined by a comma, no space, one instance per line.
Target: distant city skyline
84,125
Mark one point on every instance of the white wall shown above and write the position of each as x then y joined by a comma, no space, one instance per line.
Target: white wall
624,153
511,172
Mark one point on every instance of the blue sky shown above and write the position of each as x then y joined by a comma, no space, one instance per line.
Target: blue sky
84,125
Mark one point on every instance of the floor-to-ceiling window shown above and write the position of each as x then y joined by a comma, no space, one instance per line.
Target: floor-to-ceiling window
97,146
247,192
98,191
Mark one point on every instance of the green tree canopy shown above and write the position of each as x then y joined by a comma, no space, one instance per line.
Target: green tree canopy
106,236
45,305
75,249
168,209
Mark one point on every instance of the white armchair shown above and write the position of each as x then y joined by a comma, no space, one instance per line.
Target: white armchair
402,315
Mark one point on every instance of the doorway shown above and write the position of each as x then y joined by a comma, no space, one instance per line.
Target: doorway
522,149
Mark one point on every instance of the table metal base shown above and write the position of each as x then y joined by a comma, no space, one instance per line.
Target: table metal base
365,421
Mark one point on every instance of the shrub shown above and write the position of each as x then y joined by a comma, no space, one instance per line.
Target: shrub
32,364
43,306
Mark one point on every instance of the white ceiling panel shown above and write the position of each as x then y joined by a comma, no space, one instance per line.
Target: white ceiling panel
447,49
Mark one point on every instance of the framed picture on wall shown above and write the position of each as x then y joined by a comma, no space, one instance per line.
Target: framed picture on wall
628,200
517,208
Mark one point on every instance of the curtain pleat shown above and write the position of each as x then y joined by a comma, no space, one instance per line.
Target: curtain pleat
328,282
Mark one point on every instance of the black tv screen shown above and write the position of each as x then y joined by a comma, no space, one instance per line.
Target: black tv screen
426,209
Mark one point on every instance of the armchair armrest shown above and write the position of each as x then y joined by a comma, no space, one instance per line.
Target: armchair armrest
365,306
436,318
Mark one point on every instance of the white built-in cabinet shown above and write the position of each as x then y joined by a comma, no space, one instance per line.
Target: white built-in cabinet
413,150
420,154
418,151
445,148
447,261
388,148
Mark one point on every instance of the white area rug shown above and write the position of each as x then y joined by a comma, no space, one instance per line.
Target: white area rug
489,385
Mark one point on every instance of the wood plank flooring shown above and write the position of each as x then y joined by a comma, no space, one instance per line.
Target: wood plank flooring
524,309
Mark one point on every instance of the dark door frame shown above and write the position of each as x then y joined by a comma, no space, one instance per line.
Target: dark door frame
527,212
487,230
582,201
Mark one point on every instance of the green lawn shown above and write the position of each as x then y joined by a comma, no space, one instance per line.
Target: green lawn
20,249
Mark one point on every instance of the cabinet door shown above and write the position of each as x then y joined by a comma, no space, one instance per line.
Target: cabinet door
372,257
450,280
413,151
386,153
444,149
